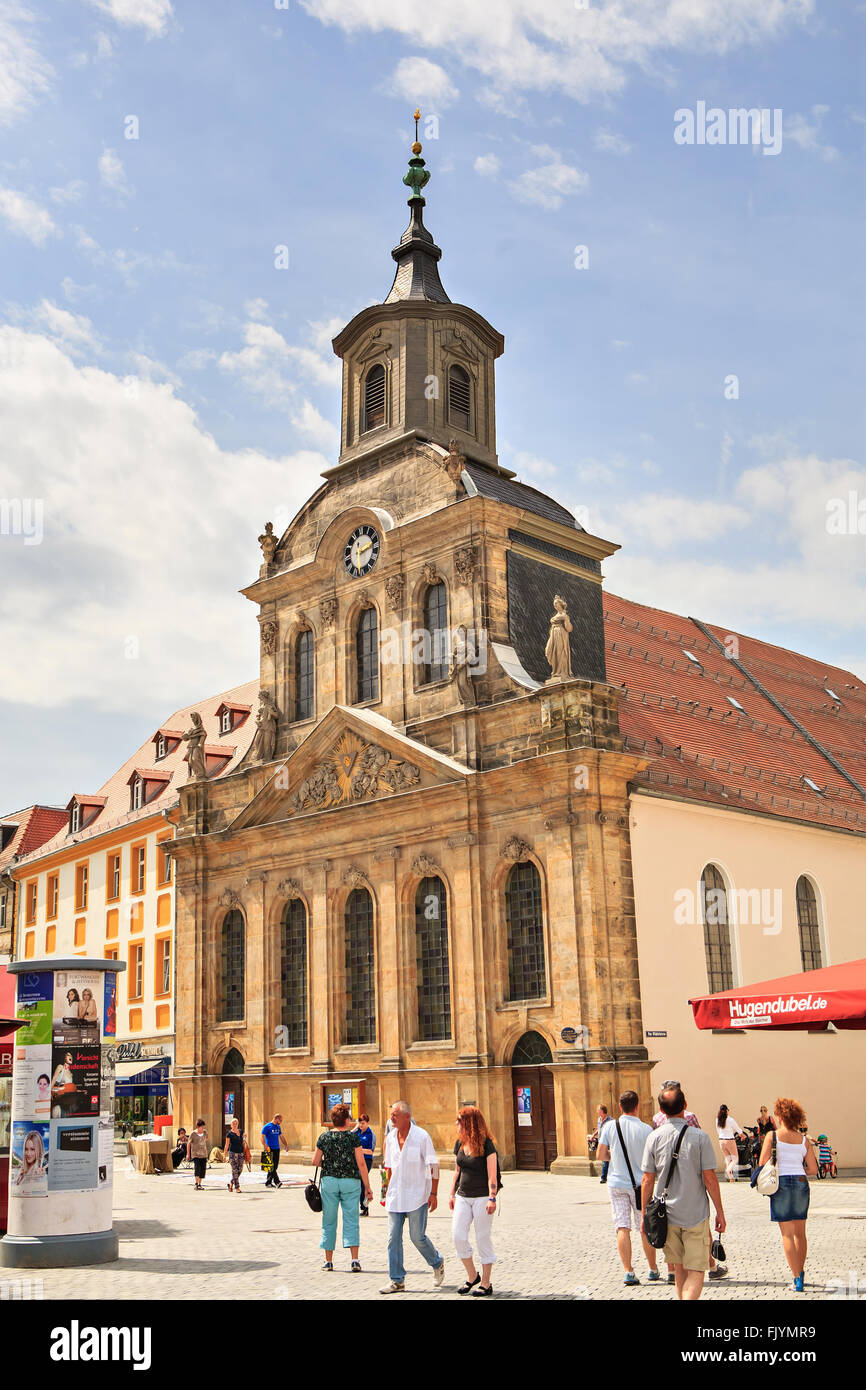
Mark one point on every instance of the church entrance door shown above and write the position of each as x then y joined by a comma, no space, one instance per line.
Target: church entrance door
534,1103
232,1093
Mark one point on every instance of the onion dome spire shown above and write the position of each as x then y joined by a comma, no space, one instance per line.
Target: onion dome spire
417,254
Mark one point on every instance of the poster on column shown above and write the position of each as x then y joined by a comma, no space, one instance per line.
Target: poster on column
28,1173
78,997
35,995
31,1082
106,1080
109,1012
74,1156
75,1081
105,1156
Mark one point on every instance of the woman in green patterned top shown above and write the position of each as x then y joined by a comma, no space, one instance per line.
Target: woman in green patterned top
341,1158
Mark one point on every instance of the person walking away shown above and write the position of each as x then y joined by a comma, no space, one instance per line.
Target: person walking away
622,1143
236,1152
728,1132
473,1198
789,1204
340,1156
197,1150
602,1115
717,1271
368,1144
693,1177
413,1183
272,1138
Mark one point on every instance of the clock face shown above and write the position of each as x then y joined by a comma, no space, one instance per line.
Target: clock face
362,551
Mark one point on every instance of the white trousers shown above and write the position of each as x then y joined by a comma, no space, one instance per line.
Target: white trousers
467,1210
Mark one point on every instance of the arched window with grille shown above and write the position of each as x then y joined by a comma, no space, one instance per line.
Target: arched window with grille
293,973
459,397
808,925
524,919
717,930
367,655
233,967
305,690
431,954
436,649
360,977
374,397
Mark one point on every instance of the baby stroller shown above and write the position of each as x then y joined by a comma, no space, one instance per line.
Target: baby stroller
750,1148
826,1166
744,1163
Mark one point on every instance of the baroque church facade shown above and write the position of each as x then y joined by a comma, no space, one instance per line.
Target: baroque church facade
417,884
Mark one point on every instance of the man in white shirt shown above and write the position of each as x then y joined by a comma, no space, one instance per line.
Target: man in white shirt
413,1182
623,1147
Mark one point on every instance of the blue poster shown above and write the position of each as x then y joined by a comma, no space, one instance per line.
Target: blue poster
29,1153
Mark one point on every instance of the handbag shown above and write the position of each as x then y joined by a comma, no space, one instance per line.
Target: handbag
266,1160
313,1193
655,1218
767,1181
635,1185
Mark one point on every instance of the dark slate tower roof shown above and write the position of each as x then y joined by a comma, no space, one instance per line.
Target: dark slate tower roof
417,254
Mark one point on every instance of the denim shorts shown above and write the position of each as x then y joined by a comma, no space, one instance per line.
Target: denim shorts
791,1201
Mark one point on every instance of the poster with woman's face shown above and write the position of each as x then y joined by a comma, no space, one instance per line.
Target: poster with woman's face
31,1081
78,999
75,1079
28,1176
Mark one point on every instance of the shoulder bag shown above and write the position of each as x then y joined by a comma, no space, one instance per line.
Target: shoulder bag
767,1181
312,1192
655,1218
635,1185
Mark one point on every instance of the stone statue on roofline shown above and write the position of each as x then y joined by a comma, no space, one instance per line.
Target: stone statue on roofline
558,649
265,739
269,542
195,755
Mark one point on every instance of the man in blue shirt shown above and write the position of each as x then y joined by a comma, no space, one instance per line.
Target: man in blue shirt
368,1144
272,1138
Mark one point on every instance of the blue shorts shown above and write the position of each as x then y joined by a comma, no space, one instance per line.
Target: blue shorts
791,1201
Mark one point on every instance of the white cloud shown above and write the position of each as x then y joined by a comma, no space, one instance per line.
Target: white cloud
24,74
322,333
317,429
608,142
112,174
26,218
71,192
156,522
546,185
73,332
487,165
551,46
423,83
674,521
268,365
256,308
807,134
152,15
127,264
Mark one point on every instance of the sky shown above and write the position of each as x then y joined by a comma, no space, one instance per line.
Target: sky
194,197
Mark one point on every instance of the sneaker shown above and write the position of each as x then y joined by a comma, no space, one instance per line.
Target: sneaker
329,1265
653,1277
631,1278
799,1283
356,1266
439,1275
718,1272
395,1286
672,1278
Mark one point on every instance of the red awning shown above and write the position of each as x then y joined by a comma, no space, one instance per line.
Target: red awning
836,994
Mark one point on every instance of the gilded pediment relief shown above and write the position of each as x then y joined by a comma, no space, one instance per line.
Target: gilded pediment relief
353,771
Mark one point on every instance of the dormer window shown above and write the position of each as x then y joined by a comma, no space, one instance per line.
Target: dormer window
75,818
137,794
160,746
459,398
226,722
374,398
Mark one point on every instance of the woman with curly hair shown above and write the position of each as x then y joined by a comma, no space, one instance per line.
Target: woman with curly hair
473,1198
795,1158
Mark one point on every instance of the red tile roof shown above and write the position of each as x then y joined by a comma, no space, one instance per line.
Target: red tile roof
36,825
85,800
149,774
679,712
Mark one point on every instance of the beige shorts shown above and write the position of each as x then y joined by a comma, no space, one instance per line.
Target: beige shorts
689,1246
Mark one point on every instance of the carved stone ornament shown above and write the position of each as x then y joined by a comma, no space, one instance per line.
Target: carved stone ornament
431,574
425,867
269,542
260,877
328,610
355,878
289,888
464,564
558,649
265,738
229,898
302,618
364,598
269,638
194,757
354,771
394,586
515,848
455,841
455,462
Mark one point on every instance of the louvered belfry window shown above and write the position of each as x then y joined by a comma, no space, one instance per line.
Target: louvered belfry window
436,633
304,688
293,972
233,966
524,920
374,397
431,946
367,655
717,930
807,922
360,978
459,395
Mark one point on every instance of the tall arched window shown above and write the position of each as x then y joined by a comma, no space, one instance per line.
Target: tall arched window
374,397
525,933
367,655
293,973
807,922
717,930
360,969
431,948
459,397
436,653
305,696
233,967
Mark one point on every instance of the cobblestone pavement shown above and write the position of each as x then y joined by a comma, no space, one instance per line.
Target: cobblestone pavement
553,1236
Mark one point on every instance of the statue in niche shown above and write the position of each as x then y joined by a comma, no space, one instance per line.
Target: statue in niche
461,652
558,649
195,757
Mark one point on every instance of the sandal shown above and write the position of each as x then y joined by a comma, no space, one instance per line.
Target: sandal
470,1284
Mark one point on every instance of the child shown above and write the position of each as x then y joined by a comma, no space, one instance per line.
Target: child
825,1153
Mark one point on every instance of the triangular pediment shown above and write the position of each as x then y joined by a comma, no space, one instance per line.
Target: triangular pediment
352,756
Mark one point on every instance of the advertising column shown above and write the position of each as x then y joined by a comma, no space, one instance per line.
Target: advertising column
62,1141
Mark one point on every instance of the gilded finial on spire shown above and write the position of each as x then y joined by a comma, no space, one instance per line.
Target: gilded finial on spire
418,176
416,148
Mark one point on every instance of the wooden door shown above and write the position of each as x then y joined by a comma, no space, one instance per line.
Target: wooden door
534,1117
